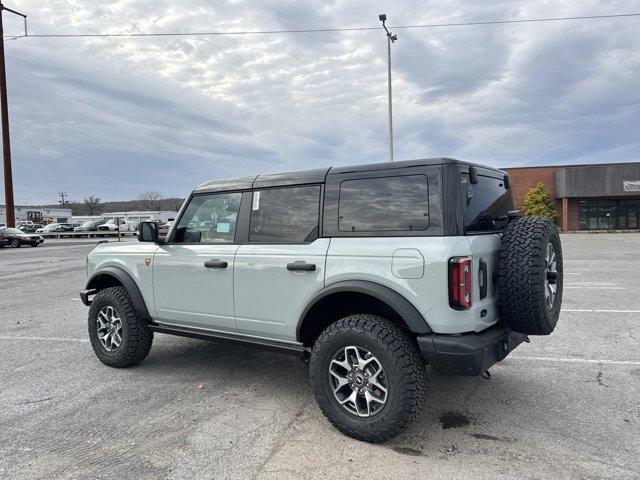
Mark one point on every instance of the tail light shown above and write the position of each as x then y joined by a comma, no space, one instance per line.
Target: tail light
460,283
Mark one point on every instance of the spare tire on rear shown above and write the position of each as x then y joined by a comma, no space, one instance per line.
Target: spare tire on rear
530,276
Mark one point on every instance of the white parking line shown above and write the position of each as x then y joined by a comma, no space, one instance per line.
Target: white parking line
594,310
576,360
594,286
46,339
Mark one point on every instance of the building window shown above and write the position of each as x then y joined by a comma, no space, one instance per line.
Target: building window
605,214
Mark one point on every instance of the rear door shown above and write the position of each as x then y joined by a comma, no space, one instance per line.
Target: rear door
282,264
193,273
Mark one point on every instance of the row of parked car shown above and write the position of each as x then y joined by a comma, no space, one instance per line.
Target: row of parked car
27,232
88,226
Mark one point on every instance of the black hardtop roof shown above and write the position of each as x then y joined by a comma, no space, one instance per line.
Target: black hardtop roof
319,175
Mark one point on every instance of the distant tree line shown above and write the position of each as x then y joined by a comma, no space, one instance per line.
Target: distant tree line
151,200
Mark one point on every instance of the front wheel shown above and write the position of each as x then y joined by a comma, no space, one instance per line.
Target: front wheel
119,337
368,377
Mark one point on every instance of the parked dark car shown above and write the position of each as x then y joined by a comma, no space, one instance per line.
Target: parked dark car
31,227
16,238
89,226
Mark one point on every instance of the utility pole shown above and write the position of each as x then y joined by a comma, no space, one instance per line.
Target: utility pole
391,38
62,200
6,143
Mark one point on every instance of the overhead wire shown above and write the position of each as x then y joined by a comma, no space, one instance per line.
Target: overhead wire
319,30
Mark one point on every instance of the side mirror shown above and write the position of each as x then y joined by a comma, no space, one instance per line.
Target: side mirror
148,232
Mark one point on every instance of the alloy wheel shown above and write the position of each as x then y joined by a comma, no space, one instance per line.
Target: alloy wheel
551,276
109,328
358,380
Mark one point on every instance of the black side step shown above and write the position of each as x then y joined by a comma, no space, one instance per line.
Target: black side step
292,349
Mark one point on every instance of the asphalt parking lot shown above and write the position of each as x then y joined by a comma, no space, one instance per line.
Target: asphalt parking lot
563,406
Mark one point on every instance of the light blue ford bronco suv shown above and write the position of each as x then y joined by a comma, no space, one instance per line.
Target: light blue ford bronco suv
368,272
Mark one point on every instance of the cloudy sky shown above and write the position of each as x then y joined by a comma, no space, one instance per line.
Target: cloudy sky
118,116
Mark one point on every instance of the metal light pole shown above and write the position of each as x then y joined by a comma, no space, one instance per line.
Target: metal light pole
390,39
4,111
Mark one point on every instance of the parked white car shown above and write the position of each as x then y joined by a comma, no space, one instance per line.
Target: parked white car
112,226
52,227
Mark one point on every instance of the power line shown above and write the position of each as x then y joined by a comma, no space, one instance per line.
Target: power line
319,30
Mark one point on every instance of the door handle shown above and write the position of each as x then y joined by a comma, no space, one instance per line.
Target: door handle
301,265
215,263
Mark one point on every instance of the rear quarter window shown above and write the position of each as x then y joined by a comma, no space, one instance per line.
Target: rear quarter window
389,202
384,204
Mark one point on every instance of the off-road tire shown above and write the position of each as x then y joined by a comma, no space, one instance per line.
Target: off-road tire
136,335
521,276
404,367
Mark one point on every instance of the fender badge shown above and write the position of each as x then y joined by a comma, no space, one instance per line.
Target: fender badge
147,261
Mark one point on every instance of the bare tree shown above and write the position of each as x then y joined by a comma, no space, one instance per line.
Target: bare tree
92,205
151,200
174,203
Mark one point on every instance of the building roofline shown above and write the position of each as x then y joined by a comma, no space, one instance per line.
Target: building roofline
37,206
571,165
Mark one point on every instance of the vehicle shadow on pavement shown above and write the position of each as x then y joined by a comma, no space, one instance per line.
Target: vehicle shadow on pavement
458,409
232,394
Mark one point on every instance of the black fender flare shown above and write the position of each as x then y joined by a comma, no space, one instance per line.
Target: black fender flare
127,282
407,311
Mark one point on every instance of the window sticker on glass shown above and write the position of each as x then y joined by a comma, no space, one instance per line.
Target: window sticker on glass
223,227
256,201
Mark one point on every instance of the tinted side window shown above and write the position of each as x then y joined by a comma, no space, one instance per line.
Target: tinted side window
285,215
209,219
486,203
381,204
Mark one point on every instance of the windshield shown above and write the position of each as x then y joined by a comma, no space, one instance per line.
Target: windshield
486,203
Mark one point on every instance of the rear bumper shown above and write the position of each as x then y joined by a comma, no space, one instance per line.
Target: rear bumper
469,353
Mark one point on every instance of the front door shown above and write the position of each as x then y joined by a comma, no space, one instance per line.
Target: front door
193,272
283,264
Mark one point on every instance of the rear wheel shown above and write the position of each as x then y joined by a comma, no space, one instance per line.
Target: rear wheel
368,377
119,337
15,243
